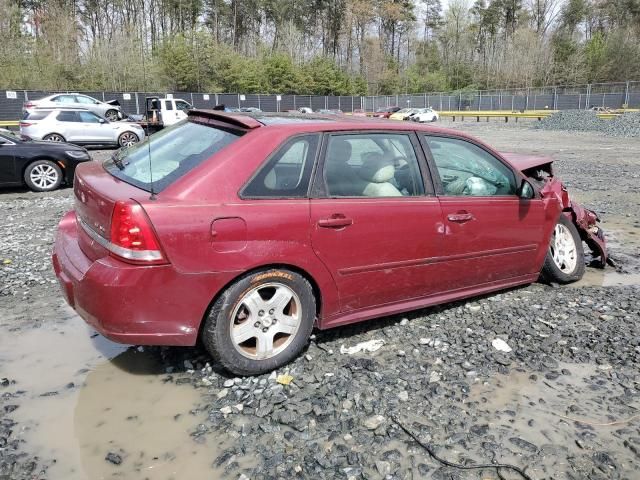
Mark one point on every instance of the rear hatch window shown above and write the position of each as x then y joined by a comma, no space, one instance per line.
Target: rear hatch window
168,154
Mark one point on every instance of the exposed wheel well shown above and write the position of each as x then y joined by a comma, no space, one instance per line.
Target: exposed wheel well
300,271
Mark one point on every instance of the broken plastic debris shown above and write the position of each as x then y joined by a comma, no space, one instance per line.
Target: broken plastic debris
285,379
370,346
6,261
501,345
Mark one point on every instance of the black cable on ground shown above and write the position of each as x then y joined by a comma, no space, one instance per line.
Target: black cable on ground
477,466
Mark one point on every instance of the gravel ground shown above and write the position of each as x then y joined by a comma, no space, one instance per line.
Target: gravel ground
562,403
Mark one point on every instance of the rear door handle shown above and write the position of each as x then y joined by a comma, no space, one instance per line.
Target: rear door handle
460,217
335,221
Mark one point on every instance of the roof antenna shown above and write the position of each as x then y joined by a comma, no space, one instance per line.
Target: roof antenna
146,107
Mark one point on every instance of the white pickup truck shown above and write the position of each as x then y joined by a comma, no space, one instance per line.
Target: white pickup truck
162,112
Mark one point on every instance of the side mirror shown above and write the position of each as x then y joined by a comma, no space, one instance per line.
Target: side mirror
526,190
2,141
102,120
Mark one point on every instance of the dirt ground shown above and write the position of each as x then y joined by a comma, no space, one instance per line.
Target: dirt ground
563,404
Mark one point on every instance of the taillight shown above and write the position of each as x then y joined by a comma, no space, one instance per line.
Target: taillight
29,105
25,124
132,236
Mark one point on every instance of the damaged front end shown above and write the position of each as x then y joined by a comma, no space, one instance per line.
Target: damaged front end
585,220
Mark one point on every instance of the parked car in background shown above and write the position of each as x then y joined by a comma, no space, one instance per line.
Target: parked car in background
424,115
403,114
329,111
385,112
303,222
110,110
41,166
305,110
81,127
250,110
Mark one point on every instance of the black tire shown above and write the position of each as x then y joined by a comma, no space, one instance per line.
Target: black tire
54,137
43,176
216,332
111,115
551,270
127,139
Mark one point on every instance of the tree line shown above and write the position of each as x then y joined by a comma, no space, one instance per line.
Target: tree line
339,47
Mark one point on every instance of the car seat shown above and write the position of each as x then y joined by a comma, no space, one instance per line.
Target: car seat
377,172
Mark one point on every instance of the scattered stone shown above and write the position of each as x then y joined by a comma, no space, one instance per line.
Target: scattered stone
373,422
501,345
113,458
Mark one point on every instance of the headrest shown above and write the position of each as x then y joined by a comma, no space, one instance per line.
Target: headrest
340,148
375,168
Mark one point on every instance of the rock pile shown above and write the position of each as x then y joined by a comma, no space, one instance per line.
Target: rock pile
625,125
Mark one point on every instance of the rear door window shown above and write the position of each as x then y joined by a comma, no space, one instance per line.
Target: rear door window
67,117
169,154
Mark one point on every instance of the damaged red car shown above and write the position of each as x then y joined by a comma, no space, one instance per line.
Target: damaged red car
247,231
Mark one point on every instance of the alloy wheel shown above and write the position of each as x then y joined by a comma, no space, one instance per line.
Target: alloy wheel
563,249
128,139
54,137
44,176
265,321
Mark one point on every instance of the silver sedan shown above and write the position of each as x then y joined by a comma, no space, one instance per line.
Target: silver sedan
110,111
80,127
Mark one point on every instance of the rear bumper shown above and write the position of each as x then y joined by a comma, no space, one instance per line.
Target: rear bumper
137,305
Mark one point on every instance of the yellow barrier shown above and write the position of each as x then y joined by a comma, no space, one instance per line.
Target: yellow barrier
9,124
532,114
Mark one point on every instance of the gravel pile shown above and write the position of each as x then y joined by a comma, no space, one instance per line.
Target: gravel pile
626,125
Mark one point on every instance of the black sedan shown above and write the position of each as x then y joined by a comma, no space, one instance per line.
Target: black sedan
41,166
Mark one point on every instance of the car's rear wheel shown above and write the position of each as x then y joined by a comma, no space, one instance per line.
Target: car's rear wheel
111,115
43,176
127,139
261,322
565,258
54,137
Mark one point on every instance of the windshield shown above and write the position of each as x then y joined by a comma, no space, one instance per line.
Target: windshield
168,154
10,135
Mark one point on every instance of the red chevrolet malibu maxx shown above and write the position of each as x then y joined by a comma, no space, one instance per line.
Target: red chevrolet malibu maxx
249,230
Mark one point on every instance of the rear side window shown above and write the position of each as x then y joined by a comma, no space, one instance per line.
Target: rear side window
287,173
168,105
35,115
168,154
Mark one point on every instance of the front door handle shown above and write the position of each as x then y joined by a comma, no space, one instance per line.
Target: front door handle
460,217
335,221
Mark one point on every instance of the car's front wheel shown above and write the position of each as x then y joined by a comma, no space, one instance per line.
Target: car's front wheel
564,262
128,139
43,176
261,322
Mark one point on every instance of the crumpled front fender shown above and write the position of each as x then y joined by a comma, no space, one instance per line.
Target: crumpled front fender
585,220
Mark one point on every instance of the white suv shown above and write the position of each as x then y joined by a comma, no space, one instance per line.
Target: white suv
81,127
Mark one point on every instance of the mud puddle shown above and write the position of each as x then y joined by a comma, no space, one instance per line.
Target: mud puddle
576,409
85,397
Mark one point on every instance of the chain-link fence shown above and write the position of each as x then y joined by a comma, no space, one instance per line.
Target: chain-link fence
611,95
